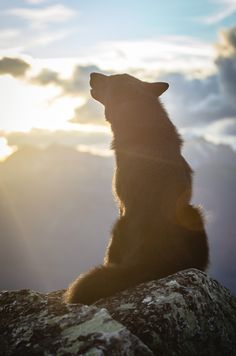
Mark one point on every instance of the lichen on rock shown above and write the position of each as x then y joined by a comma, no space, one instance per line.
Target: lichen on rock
35,324
185,314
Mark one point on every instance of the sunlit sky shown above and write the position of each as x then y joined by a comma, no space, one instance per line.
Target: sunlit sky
58,38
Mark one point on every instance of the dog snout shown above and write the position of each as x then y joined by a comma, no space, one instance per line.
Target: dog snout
97,79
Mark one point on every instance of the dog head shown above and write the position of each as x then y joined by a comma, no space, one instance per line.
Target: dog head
120,87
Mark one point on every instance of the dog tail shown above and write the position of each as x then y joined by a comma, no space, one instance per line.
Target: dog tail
101,282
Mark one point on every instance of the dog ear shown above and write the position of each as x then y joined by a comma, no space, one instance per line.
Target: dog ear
157,88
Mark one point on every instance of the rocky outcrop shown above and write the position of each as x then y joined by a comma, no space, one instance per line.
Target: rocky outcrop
40,324
184,314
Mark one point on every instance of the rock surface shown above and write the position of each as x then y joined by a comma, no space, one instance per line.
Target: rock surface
184,314
35,324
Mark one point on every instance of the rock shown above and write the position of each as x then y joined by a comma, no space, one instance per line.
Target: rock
185,314
39,324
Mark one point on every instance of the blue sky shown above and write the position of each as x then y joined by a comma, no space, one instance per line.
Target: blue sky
90,22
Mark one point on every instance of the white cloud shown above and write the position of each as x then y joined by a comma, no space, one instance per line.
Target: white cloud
13,51
43,16
226,9
35,2
166,53
226,126
8,34
47,38
15,42
91,112
8,37
222,131
20,40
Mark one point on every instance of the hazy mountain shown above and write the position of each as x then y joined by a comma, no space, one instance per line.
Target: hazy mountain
56,211
62,200
214,189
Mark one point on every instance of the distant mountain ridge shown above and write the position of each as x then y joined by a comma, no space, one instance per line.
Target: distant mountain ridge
57,209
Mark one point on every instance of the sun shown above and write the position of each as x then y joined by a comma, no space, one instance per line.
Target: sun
5,150
34,107
42,108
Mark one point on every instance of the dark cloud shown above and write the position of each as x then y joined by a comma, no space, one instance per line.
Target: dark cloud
198,102
226,64
231,38
90,113
77,84
224,131
229,127
13,66
46,77
191,102
195,102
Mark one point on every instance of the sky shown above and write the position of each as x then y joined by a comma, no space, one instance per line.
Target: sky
48,49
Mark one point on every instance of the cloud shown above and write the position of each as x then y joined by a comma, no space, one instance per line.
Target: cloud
76,84
227,127
41,138
47,37
8,34
79,81
222,131
21,40
195,101
45,26
46,77
164,53
43,16
35,2
89,113
226,63
13,66
207,105
227,8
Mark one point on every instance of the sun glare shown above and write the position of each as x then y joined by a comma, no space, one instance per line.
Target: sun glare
5,150
34,107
